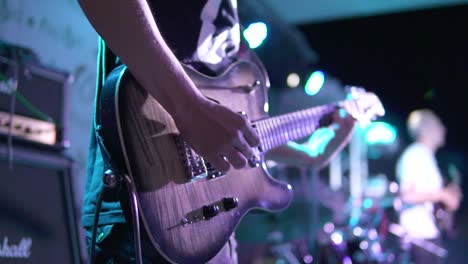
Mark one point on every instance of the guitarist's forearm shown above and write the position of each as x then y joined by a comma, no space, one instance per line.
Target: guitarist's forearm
342,136
295,154
129,29
319,155
414,197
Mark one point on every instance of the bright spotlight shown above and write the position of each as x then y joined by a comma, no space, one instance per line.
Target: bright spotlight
337,238
293,80
314,83
380,133
255,34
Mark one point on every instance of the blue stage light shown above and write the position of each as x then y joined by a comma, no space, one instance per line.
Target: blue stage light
314,83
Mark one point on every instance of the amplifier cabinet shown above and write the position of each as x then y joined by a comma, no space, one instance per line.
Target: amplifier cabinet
38,221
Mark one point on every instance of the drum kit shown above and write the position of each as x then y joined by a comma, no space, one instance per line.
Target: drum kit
357,231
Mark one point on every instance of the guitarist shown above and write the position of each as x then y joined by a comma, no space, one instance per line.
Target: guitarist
152,38
421,183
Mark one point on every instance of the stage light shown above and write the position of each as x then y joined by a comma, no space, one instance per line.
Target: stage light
372,234
255,34
347,260
328,227
393,187
318,141
357,231
397,204
376,248
337,238
380,133
308,259
367,203
364,245
293,80
314,83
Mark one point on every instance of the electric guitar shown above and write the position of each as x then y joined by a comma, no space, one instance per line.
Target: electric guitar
445,219
188,208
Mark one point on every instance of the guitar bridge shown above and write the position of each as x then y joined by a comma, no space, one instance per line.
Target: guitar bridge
195,166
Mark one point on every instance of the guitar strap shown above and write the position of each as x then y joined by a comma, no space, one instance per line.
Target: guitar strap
106,62
112,176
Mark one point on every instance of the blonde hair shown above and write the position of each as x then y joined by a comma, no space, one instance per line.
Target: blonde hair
417,120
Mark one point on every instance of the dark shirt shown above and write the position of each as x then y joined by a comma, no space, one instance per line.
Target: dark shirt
206,31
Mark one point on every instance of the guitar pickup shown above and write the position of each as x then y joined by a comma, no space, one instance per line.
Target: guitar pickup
212,171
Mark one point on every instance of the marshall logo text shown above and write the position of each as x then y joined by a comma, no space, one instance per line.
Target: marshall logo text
21,250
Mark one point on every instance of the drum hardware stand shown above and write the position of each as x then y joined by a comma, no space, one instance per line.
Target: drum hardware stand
430,247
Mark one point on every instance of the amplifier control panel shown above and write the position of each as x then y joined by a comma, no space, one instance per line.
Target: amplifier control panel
28,128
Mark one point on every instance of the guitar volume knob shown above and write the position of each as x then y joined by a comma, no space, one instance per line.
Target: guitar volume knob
210,211
230,203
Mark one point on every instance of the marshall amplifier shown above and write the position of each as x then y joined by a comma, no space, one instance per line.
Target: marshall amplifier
37,214
42,95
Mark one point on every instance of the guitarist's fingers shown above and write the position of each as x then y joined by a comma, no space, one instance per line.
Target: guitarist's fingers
354,110
218,162
236,159
251,135
242,147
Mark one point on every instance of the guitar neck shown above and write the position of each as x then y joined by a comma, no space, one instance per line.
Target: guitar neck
454,174
278,130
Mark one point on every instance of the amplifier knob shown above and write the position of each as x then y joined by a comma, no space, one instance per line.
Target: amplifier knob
210,211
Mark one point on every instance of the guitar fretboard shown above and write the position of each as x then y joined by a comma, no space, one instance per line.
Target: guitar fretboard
278,130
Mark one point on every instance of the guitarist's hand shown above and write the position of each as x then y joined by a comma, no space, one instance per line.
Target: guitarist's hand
220,135
451,197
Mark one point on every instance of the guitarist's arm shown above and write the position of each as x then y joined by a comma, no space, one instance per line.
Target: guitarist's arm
449,196
129,29
330,140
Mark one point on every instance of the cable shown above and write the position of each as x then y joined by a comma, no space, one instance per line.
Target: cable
32,108
92,249
111,181
12,113
135,219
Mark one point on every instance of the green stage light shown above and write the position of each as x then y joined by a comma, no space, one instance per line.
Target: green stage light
314,83
255,34
380,133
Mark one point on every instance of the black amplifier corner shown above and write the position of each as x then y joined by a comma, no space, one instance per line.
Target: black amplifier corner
41,91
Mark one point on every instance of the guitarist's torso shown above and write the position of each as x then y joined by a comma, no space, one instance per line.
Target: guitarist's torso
418,168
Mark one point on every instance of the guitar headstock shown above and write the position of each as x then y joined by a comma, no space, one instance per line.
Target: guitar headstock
454,174
364,106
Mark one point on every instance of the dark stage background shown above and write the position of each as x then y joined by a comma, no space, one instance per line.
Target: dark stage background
411,60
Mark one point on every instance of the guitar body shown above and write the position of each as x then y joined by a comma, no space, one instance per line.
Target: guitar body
445,219
175,189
